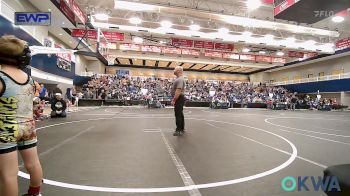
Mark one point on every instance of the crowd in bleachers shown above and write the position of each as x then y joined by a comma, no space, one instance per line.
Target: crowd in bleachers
137,88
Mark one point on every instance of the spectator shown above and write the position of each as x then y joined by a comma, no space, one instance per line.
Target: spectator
43,93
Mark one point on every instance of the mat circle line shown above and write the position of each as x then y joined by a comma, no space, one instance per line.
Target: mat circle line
170,189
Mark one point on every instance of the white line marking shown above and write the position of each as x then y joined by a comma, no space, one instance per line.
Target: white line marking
277,149
62,143
322,133
97,114
335,130
151,130
185,176
172,189
65,142
321,138
285,152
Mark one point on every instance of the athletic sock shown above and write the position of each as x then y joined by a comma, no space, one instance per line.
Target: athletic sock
34,190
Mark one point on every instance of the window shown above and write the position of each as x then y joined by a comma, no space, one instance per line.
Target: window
310,75
321,74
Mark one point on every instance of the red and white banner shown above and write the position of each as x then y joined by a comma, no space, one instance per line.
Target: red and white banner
78,12
182,42
267,59
65,56
221,46
171,50
113,36
209,45
198,44
230,56
310,55
343,43
213,54
132,47
204,44
65,9
92,34
296,54
247,57
278,60
284,5
156,49
190,52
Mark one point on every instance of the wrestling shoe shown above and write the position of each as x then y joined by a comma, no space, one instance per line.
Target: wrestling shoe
176,133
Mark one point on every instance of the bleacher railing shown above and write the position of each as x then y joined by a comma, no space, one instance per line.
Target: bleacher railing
314,79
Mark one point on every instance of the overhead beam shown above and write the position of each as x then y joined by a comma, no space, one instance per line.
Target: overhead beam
169,68
203,67
169,63
116,59
192,66
215,67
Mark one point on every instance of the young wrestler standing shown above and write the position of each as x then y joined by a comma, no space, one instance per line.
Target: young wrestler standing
17,126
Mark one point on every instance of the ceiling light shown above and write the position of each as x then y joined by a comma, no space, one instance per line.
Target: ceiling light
49,10
262,52
311,42
247,33
253,4
280,53
245,50
166,24
194,27
224,30
138,40
162,42
135,20
133,6
338,19
101,16
60,34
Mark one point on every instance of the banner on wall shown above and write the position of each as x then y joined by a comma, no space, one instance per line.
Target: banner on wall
197,52
65,9
92,34
64,61
296,54
182,42
343,44
72,10
221,46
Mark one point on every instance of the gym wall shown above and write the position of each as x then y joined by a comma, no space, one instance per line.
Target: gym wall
328,67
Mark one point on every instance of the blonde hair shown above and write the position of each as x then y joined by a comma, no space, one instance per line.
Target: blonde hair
11,46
